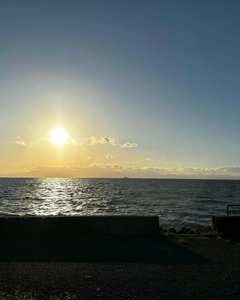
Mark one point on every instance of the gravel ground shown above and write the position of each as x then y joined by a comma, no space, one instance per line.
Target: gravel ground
173,267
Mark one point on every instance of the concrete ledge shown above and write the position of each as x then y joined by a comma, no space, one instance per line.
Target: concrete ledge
229,226
75,227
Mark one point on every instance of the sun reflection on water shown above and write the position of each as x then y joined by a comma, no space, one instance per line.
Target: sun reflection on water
176,202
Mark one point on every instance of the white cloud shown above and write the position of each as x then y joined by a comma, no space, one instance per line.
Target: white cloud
74,142
70,141
21,143
93,140
146,159
129,145
12,140
102,140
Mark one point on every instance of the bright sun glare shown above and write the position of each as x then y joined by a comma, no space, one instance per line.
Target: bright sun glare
59,136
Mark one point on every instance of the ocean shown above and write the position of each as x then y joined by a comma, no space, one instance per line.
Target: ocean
177,202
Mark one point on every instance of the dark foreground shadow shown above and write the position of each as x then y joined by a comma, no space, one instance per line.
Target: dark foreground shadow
100,249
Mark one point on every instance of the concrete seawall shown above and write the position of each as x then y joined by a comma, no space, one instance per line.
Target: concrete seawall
62,227
229,226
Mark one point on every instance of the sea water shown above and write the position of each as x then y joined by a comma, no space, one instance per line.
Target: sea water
177,202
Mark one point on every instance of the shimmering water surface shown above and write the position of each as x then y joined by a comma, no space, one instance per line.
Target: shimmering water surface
177,202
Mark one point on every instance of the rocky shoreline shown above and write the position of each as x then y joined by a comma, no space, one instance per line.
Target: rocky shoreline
188,230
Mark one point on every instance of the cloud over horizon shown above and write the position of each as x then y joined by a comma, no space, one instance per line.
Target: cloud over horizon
118,170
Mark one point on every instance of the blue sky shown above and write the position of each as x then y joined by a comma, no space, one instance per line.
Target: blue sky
160,77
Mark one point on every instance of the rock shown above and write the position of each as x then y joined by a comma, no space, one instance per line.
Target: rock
183,230
172,230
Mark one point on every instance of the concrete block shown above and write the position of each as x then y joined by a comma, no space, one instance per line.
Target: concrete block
229,226
73,227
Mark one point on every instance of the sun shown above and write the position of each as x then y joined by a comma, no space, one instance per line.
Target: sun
59,136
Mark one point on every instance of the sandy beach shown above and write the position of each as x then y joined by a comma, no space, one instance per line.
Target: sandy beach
160,267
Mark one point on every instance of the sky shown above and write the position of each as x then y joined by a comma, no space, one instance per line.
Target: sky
140,88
